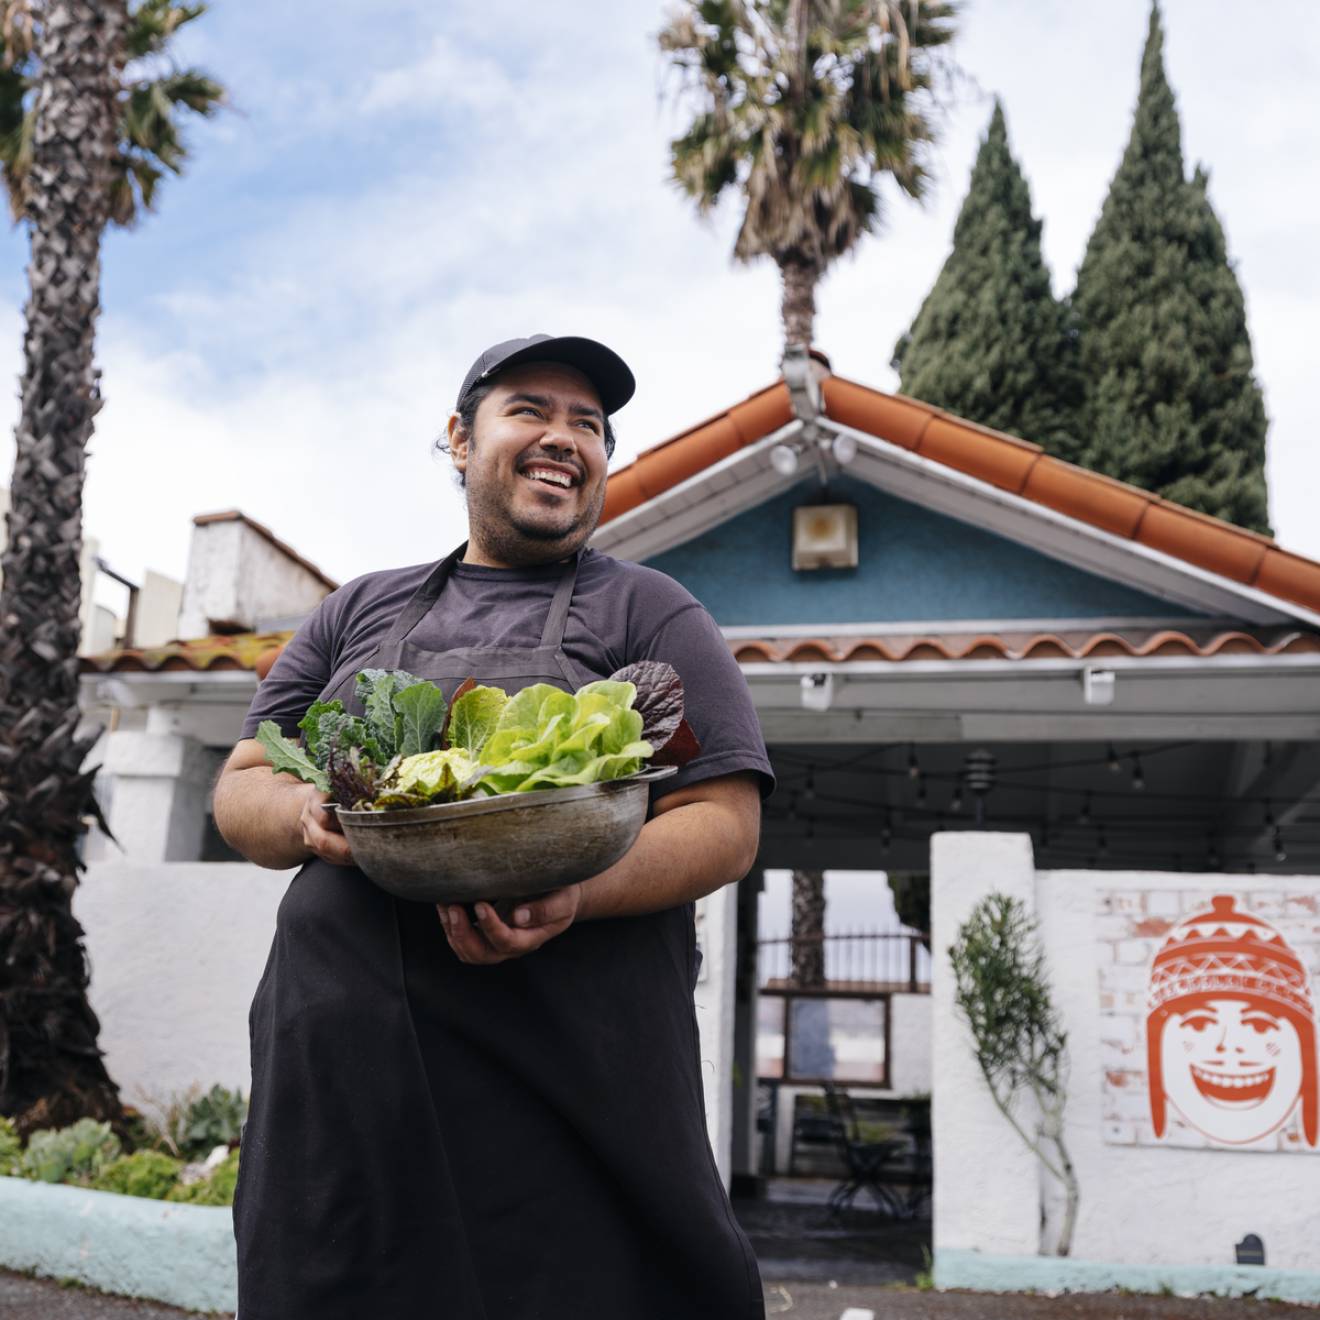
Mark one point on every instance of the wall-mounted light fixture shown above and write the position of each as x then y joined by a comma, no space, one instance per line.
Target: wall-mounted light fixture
1098,686
825,536
817,691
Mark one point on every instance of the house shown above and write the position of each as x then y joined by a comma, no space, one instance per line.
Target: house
948,634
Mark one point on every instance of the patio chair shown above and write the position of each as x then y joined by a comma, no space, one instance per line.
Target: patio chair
870,1164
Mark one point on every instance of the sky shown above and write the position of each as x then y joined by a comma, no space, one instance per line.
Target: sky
398,185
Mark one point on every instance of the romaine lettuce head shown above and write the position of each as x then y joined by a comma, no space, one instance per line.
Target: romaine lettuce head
546,738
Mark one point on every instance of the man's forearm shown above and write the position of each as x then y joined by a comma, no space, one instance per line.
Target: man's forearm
257,812
679,856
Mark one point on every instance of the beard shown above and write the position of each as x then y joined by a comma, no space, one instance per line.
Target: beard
517,540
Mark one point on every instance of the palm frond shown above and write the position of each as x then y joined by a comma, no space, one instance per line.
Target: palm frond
154,22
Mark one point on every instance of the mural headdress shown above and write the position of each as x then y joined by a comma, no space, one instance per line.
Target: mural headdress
1235,955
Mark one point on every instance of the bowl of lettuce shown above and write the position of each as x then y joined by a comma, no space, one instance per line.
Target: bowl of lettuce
490,795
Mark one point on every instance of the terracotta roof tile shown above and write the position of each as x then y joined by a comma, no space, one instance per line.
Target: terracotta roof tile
762,413
1192,536
1290,576
1088,496
242,651
258,651
892,417
1003,460
1017,646
995,458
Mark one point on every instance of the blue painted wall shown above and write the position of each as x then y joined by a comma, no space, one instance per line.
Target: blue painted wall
914,564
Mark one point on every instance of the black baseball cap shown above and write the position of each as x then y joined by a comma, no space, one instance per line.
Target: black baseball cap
602,366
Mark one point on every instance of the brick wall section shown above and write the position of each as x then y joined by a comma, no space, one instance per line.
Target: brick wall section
1130,926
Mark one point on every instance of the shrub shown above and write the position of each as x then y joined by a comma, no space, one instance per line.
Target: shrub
73,1154
190,1124
218,1189
11,1149
214,1119
144,1173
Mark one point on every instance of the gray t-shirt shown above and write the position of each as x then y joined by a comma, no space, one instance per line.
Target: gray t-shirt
620,612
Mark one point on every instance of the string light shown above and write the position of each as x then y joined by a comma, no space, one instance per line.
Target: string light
955,803
1138,779
809,790
1112,758
1280,852
913,766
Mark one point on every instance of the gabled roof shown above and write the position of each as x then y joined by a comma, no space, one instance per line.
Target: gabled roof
721,466
657,500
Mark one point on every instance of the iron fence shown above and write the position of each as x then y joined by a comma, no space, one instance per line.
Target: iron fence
855,961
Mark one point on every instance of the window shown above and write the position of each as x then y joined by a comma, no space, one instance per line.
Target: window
823,1038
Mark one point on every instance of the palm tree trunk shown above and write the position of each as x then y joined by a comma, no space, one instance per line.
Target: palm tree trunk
51,1070
798,308
808,936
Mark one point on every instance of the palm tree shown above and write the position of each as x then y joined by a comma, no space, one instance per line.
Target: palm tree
804,106
808,927
84,142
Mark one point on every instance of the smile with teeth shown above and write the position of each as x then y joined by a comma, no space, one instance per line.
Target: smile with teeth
550,475
1228,1086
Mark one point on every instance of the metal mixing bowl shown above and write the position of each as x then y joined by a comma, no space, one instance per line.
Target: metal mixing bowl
508,846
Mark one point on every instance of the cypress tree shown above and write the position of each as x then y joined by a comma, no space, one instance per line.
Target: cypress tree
1173,405
990,342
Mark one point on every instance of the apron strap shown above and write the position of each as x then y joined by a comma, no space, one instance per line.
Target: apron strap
419,606
552,635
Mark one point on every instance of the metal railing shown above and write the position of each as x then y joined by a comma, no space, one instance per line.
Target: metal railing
855,961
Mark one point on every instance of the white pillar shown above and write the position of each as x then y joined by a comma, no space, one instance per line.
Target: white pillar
717,925
987,1194
159,791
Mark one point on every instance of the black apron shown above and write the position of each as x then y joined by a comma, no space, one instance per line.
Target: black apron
429,1140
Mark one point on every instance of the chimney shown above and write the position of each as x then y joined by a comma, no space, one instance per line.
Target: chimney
242,578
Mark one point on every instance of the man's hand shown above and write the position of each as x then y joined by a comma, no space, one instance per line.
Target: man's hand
321,831
491,940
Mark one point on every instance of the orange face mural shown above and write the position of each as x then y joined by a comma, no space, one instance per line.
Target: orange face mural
1231,1029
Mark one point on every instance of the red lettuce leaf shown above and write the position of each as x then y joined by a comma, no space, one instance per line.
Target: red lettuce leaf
659,702
681,748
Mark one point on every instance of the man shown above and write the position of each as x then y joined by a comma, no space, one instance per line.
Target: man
497,1120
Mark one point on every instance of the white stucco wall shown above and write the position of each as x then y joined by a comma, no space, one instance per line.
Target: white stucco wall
176,952
717,931
1140,1205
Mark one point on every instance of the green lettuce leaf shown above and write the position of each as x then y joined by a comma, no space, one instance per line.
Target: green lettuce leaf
474,718
523,710
376,689
287,758
328,730
422,707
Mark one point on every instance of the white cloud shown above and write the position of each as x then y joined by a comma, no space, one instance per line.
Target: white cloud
304,381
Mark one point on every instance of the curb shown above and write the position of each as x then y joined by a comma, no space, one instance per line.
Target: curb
961,1268
162,1250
